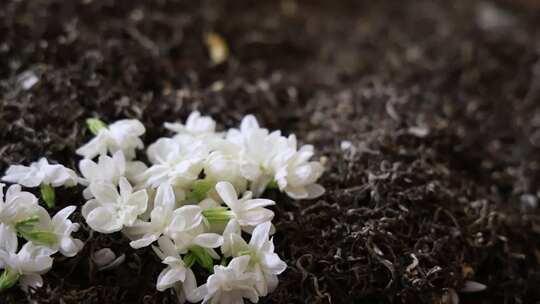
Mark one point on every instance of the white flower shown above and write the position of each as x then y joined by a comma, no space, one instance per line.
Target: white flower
196,125
247,211
145,233
231,284
41,172
110,211
109,170
26,265
56,232
17,205
123,135
265,264
188,230
258,150
177,164
176,273
219,166
295,174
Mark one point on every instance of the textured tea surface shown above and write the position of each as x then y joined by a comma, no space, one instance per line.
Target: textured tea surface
440,102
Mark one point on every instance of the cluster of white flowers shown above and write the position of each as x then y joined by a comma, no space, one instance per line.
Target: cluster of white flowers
185,204
22,217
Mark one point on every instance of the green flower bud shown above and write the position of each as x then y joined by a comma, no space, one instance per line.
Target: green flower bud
95,125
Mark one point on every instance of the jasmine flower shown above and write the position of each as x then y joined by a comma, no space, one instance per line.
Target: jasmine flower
41,173
24,266
17,205
247,211
109,170
231,284
264,263
295,174
145,233
123,135
176,164
111,210
177,274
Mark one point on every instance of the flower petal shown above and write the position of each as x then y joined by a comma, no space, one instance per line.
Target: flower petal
104,193
260,235
227,193
208,240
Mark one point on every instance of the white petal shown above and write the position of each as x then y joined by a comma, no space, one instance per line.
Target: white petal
104,193
144,241
169,276
257,203
125,188
260,235
239,264
89,206
193,294
227,193
249,122
69,247
103,220
297,192
8,239
208,240
314,191
61,216
165,197
96,146
273,263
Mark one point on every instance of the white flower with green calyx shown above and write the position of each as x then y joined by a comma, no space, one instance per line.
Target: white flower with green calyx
247,211
144,233
54,233
44,175
264,262
178,273
17,205
24,266
109,170
191,236
112,210
231,283
123,135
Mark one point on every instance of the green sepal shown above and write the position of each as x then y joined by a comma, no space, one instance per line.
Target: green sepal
199,190
45,238
48,195
202,257
27,224
224,261
95,125
189,259
219,214
8,279
273,184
